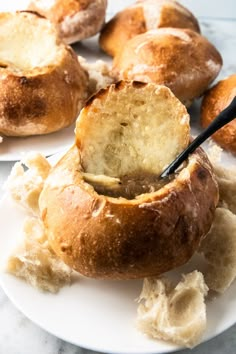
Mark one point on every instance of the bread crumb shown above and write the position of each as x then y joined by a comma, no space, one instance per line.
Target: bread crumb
214,152
100,74
35,261
1,139
26,186
174,313
226,178
219,250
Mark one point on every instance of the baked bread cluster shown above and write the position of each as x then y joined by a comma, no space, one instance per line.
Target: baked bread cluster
42,86
114,218
75,19
142,16
214,102
159,41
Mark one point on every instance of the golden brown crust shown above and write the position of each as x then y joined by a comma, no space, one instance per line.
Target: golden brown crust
181,59
43,99
214,102
104,237
143,16
75,19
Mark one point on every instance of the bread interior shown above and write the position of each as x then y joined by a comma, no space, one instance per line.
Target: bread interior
26,42
131,133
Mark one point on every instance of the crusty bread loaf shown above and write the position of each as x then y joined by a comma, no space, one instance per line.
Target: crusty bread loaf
142,16
113,226
42,86
75,19
181,59
215,101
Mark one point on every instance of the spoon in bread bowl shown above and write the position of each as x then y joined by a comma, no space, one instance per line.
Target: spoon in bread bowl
226,116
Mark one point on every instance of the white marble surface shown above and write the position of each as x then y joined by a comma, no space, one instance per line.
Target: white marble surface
20,336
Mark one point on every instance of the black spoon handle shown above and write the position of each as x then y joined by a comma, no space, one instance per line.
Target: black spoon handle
226,116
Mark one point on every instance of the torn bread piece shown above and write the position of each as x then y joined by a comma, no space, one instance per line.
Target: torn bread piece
226,178
34,260
219,250
25,186
99,72
174,313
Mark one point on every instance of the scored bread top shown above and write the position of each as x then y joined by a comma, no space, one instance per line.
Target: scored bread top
142,16
131,127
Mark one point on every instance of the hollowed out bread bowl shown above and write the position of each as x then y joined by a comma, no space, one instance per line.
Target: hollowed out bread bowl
142,16
75,19
105,211
214,102
42,85
181,59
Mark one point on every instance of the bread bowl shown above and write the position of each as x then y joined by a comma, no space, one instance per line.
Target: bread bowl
214,102
99,224
142,16
181,59
42,86
75,19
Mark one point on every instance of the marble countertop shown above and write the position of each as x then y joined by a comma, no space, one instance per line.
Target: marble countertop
18,335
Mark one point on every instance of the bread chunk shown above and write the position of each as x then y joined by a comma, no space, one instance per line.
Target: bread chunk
35,262
174,313
219,250
25,186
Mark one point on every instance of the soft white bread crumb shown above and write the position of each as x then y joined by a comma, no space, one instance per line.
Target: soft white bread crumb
26,186
214,152
226,178
1,139
36,262
176,314
219,249
99,74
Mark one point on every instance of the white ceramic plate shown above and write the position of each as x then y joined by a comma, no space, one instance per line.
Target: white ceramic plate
98,315
12,149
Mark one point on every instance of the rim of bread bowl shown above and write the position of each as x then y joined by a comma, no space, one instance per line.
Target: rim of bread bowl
57,48
197,158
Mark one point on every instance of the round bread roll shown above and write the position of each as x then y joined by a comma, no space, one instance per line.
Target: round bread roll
143,16
105,211
181,59
75,19
214,102
42,86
